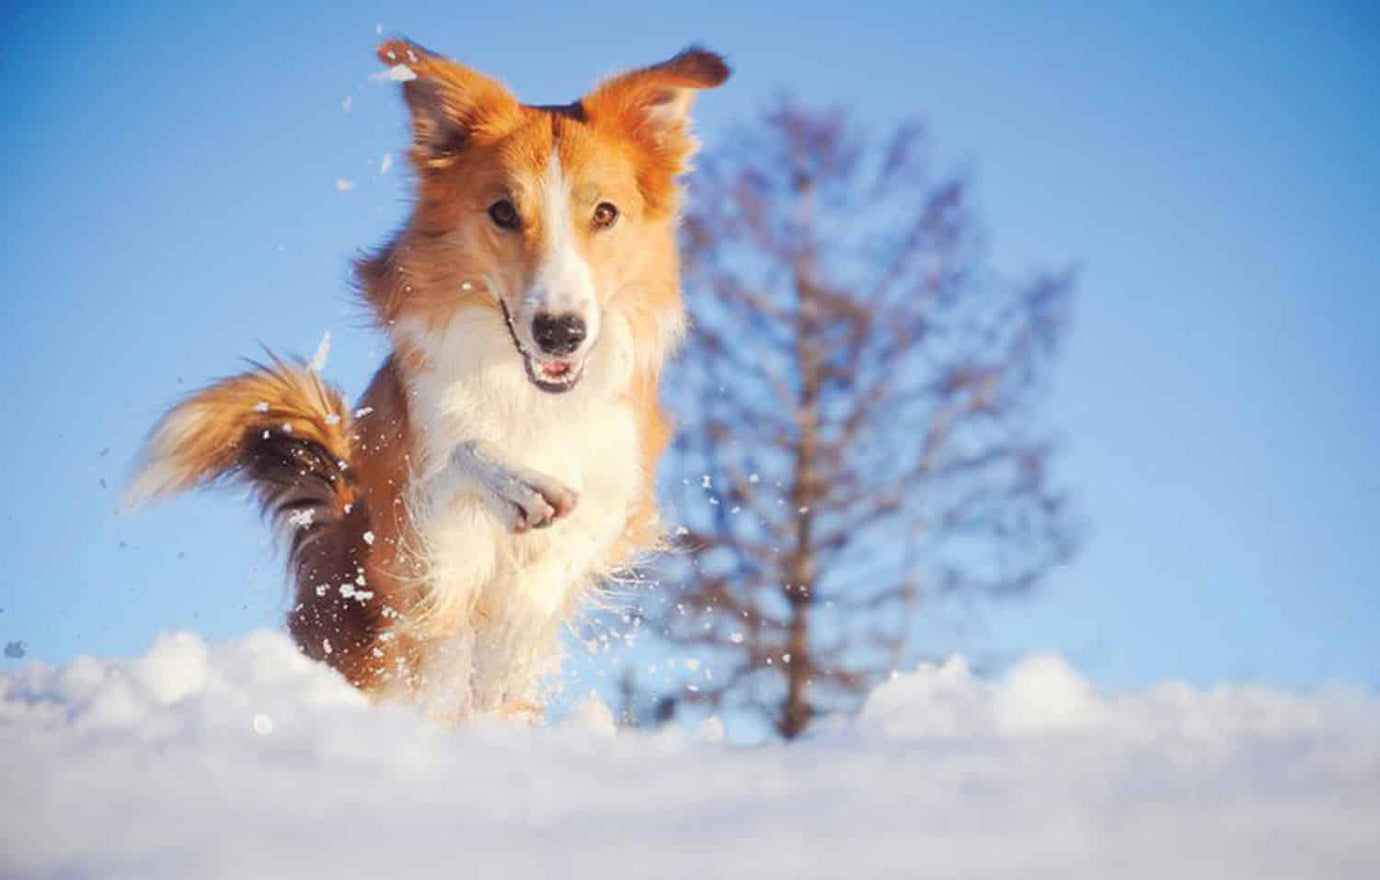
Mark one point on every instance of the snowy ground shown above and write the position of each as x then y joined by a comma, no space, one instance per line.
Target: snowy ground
244,760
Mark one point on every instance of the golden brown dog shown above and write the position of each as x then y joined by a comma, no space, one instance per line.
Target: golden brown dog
501,462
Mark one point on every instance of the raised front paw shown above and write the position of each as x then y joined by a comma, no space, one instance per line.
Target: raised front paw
523,499
520,498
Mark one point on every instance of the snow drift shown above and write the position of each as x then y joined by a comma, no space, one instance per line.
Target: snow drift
245,760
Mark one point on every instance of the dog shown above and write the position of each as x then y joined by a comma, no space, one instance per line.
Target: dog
501,464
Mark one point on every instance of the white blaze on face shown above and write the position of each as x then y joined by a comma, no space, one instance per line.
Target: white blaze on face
563,284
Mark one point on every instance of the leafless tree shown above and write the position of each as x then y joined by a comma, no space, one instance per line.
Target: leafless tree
857,426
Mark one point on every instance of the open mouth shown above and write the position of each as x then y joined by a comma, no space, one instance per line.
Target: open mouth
555,376
552,375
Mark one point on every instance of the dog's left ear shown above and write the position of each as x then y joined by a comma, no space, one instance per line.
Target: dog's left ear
652,104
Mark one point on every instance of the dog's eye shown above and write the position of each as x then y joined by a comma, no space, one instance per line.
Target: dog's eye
504,215
605,215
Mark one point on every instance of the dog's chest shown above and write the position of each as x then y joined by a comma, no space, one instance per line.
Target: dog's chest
588,442
593,451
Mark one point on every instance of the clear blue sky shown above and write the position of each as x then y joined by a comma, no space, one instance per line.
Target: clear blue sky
170,201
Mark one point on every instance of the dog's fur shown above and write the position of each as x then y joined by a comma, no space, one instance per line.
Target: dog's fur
442,532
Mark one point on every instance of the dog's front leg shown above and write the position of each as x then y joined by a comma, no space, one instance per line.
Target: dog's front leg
520,498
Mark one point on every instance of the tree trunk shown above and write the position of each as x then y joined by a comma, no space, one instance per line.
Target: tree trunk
799,581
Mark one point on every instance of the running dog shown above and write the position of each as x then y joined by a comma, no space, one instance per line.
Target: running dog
501,463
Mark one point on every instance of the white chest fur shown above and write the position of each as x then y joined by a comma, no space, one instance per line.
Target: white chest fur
496,600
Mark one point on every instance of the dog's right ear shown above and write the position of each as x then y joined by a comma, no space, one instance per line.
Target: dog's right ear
450,103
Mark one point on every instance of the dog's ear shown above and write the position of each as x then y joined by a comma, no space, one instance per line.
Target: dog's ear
652,104
450,103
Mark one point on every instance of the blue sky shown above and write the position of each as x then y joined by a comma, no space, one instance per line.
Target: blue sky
171,202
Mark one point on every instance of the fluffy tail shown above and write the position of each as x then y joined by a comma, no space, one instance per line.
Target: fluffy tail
277,429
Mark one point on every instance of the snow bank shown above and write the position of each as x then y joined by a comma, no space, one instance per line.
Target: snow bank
245,760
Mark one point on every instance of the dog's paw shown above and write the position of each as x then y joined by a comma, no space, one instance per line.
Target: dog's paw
523,500
520,498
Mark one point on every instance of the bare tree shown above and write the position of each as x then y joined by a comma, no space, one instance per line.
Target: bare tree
856,417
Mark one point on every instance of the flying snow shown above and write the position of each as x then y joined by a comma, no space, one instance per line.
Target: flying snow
323,353
396,73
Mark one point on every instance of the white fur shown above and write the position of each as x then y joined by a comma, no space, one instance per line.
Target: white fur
499,596
563,283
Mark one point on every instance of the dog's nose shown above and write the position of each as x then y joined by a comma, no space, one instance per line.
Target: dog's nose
558,334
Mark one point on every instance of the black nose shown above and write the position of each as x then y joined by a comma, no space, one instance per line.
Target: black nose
558,334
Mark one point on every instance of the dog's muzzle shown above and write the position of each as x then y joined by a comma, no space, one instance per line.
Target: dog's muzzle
557,336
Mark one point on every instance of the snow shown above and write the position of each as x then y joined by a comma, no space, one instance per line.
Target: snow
396,73
322,354
245,759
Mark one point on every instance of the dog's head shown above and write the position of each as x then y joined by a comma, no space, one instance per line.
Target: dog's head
558,219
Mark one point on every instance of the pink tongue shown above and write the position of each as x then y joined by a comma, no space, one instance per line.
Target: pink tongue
557,368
